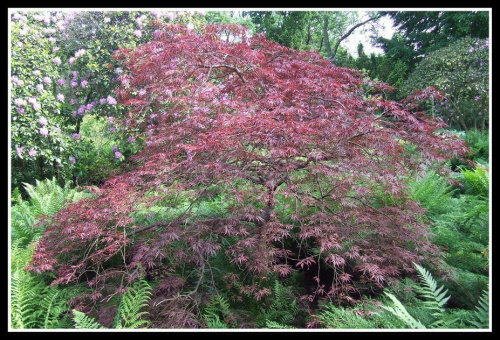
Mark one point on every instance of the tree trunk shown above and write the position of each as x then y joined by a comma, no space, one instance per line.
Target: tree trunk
462,123
308,41
325,37
348,34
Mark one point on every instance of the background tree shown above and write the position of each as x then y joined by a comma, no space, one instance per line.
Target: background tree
307,30
42,144
309,165
426,31
461,71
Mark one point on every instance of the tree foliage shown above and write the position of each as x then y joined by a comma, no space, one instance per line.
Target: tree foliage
314,165
308,30
461,72
427,31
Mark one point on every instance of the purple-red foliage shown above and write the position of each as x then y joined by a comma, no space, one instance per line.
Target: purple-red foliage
307,156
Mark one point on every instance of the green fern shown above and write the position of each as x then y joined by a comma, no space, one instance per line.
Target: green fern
338,317
217,308
214,321
22,222
277,325
435,300
20,255
24,299
477,181
478,142
33,303
53,304
129,313
433,192
25,290
481,316
45,198
435,296
283,308
401,313
84,322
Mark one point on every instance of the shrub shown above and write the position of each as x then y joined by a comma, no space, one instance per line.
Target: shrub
460,70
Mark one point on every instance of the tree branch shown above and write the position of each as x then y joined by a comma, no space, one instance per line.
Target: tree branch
349,33
232,68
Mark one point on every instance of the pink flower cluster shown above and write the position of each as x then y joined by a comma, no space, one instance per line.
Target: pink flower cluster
19,151
111,100
20,102
17,81
79,53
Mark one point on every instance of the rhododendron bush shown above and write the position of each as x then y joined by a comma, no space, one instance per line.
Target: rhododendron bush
308,160
61,71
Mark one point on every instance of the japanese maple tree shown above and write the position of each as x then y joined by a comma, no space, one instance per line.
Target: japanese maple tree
309,159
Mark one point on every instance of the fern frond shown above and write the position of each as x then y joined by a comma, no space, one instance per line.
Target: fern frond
20,255
25,292
33,303
36,198
478,181
52,305
277,325
433,192
436,296
283,307
217,307
16,197
22,221
46,198
401,313
135,298
82,321
481,316
338,317
214,321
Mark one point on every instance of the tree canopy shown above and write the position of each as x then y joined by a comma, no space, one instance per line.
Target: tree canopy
307,159
426,31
